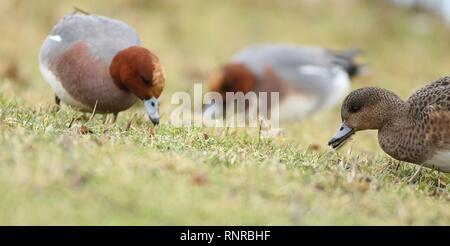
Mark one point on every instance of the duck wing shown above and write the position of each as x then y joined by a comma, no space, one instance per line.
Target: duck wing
105,36
433,97
431,105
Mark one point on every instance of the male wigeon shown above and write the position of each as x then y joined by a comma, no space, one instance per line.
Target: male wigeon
416,131
96,63
308,79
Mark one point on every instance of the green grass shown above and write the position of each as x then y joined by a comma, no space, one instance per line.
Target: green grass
120,175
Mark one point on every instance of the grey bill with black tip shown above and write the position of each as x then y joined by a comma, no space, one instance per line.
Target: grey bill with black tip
344,133
152,108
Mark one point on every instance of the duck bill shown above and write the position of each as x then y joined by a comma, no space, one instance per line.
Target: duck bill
151,107
344,133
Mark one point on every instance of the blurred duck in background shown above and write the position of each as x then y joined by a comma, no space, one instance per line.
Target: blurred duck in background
308,79
94,63
441,7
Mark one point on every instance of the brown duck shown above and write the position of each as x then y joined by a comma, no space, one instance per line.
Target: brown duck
415,131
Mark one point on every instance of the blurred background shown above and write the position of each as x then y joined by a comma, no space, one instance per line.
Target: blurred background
405,43
441,7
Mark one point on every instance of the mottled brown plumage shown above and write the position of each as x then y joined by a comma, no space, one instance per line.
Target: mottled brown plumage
416,130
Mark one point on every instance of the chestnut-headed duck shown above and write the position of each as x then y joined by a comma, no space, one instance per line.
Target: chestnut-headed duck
415,131
96,63
308,79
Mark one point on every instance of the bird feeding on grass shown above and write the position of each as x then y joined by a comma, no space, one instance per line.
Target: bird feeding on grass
308,79
415,131
97,64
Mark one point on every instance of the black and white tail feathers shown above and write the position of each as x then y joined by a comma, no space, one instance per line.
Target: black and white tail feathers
346,59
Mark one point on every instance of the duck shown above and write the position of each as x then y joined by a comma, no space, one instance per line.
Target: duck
416,130
309,79
97,64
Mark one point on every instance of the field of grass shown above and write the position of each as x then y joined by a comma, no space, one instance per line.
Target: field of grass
62,167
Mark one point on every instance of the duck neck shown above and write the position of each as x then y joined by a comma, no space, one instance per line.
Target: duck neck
397,115
394,135
387,110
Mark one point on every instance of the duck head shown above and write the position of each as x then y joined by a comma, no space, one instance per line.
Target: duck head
364,109
231,78
138,71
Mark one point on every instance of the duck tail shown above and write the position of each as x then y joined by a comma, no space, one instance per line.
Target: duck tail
359,70
346,59
349,54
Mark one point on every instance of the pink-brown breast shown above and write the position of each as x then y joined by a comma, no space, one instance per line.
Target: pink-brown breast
87,79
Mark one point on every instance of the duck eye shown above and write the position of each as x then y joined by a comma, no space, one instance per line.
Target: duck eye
354,108
145,80
153,104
